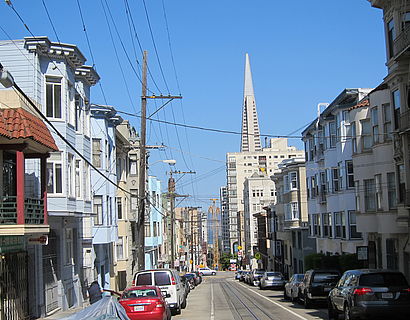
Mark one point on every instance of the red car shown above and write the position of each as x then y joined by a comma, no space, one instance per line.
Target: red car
145,303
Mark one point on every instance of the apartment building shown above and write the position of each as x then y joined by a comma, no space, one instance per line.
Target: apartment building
396,19
330,176
288,229
223,197
55,77
241,166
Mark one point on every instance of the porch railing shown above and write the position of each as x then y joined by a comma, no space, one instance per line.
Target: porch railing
33,211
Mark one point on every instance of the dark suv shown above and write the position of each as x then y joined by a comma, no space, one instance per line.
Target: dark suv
369,293
316,285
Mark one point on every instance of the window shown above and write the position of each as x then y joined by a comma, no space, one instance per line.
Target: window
332,133
119,207
391,254
286,183
54,174
396,105
352,226
375,125
71,104
387,128
147,230
369,195
354,137
134,200
98,210
109,211
97,153
357,194
366,136
335,179
133,167
391,35
349,174
68,246
78,178
378,181
120,248
70,174
86,175
293,180
391,190
53,97
316,224
401,183
327,225
340,225
78,112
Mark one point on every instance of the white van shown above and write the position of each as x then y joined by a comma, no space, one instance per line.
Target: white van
169,281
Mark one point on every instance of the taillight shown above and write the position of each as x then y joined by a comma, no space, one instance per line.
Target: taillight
173,281
406,290
159,305
362,291
133,282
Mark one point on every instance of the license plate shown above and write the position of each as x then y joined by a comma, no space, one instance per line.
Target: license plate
387,295
139,308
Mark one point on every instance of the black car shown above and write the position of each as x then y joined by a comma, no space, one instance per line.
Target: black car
369,293
316,286
189,279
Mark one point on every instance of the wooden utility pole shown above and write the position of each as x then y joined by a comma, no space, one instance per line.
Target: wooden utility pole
140,234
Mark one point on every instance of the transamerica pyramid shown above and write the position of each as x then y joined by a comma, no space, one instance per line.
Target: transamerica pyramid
250,140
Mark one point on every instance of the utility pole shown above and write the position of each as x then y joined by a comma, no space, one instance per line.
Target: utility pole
143,165
172,195
215,212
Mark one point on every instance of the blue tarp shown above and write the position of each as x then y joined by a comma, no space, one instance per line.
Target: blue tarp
108,308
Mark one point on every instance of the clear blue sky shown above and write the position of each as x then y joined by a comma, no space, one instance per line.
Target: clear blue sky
301,53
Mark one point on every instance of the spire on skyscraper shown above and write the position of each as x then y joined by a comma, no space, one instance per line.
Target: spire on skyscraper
250,140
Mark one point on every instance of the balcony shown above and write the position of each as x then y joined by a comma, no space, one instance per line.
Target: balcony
402,42
33,217
404,123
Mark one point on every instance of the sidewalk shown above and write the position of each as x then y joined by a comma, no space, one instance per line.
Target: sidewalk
62,314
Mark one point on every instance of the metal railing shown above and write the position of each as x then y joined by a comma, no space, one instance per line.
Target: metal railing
404,122
33,210
402,41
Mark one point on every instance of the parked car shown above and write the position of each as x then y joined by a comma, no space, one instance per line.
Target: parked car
190,278
206,272
145,302
169,281
238,274
247,277
291,289
272,280
316,285
187,286
368,293
198,278
255,277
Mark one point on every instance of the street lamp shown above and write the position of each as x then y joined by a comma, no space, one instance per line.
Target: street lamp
171,162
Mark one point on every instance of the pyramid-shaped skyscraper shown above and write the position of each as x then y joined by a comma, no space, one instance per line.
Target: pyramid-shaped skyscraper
250,140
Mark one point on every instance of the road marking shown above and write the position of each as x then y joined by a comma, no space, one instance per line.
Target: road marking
212,303
274,302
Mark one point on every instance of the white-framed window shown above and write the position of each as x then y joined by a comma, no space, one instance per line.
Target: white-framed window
70,174
87,119
120,248
335,179
353,226
71,112
354,137
285,183
68,232
119,208
340,224
98,210
147,230
366,135
134,201
375,125
327,225
332,134
387,125
107,154
97,152
391,190
293,179
133,166
357,194
294,209
379,195
316,224
79,105
349,174
109,211
396,104
86,177
53,97
55,173
369,195
391,36
78,178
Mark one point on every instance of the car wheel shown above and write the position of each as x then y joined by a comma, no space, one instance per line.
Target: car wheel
306,301
331,312
178,310
213,273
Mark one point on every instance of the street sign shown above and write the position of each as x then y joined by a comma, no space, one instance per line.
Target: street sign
232,260
239,247
258,256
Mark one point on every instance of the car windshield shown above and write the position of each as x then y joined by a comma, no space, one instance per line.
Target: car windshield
140,293
325,276
162,278
143,279
299,277
274,274
189,276
259,272
383,280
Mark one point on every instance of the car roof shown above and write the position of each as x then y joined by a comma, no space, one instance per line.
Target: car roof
373,271
140,288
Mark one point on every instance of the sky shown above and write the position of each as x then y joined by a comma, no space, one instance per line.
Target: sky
301,53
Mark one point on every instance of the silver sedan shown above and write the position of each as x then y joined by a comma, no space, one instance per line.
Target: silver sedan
272,280
291,290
